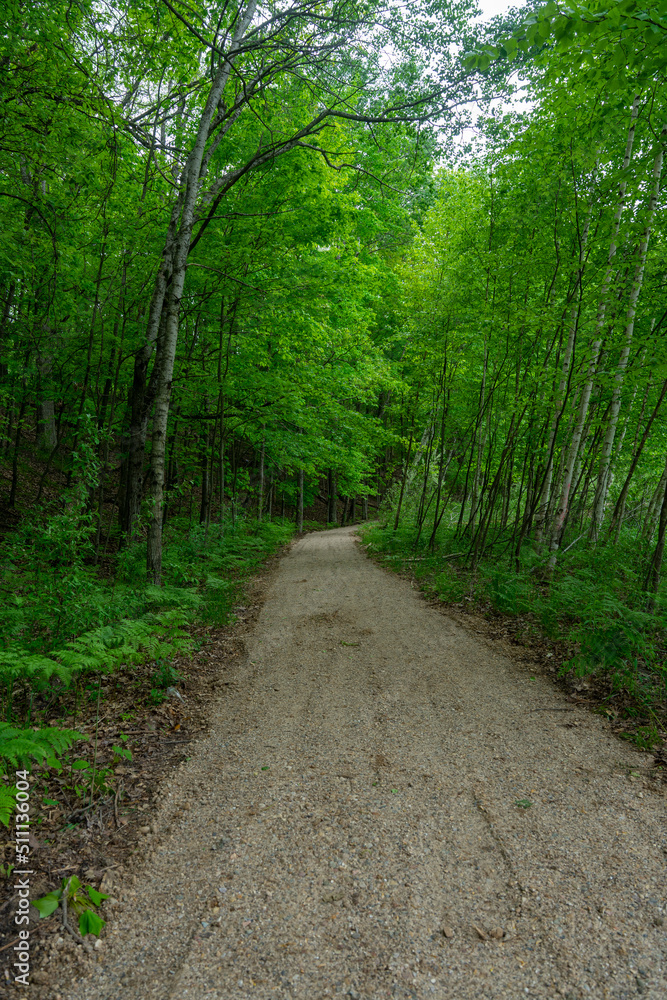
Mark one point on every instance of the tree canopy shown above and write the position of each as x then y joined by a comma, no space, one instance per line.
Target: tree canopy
245,263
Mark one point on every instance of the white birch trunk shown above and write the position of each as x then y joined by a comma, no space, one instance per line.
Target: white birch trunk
176,253
608,443
426,437
575,441
545,493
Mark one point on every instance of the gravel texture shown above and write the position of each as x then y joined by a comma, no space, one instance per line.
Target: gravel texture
351,826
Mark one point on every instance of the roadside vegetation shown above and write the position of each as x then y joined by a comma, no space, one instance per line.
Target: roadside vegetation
249,280
588,623
73,632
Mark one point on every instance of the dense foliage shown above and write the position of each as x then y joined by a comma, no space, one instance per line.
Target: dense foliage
534,364
243,266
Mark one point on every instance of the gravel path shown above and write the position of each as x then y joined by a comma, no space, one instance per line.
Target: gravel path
350,828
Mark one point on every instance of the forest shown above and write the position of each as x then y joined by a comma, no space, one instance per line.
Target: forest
267,267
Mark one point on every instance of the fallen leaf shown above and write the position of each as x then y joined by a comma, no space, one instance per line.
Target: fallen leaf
480,932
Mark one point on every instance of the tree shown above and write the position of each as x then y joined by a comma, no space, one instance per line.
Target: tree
296,73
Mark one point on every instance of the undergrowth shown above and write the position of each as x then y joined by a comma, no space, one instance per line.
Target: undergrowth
64,623
593,605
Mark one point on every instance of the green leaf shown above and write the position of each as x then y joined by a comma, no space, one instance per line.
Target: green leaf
544,29
90,923
48,904
80,765
7,803
96,897
619,58
71,884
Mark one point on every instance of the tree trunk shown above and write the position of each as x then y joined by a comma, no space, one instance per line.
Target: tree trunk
177,247
480,444
575,441
47,425
617,516
134,475
15,456
332,512
422,510
608,443
222,475
260,497
652,513
442,468
299,503
205,483
652,582
542,507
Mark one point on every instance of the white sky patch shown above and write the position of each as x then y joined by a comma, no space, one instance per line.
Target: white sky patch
491,8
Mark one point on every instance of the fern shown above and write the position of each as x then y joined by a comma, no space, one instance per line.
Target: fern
217,583
127,641
19,746
179,597
20,663
59,626
7,803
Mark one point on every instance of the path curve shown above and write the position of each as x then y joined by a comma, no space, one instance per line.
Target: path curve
357,796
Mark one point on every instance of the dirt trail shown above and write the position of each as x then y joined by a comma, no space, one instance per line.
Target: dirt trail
357,795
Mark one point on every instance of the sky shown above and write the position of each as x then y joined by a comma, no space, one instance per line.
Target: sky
489,9
492,7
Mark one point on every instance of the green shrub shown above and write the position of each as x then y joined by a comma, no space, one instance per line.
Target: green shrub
449,586
63,620
511,593
595,601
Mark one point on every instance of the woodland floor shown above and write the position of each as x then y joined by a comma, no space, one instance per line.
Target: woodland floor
388,805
